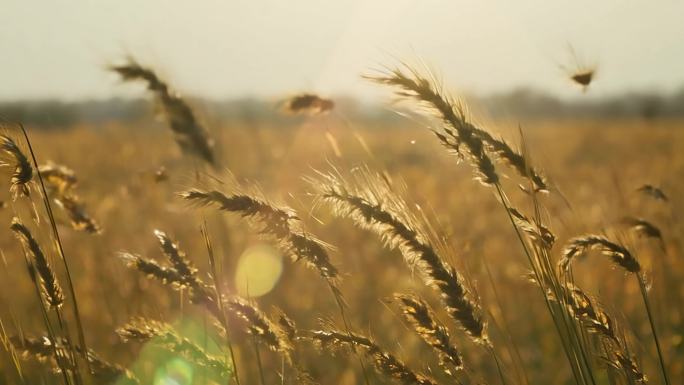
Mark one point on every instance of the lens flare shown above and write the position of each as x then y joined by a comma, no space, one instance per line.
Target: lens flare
258,270
175,372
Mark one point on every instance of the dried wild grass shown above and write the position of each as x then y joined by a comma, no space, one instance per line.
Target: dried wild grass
23,171
163,335
51,289
579,246
384,362
43,349
59,177
259,325
282,224
418,313
62,181
537,232
191,136
183,275
457,131
597,321
643,228
653,192
373,206
78,217
308,104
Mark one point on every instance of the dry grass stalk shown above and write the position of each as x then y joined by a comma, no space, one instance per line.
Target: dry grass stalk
259,325
537,232
49,284
162,334
43,350
653,192
643,228
182,275
457,129
23,172
62,181
308,104
514,159
79,218
418,313
579,246
629,367
596,320
178,259
287,325
279,223
61,178
191,136
373,206
384,362
153,269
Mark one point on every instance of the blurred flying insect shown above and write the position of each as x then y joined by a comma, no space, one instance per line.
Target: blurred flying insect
578,71
310,104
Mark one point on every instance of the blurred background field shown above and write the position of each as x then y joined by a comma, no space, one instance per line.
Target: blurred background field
596,163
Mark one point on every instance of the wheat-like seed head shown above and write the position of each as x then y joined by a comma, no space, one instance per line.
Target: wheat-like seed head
287,325
191,136
457,130
420,316
61,182
384,362
200,293
628,366
61,178
373,206
537,232
153,269
654,192
162,334
270,220
23,171
79,218
643,228
596,320
267,217
308,104
579,246
178,259
51,289
43,349
261,326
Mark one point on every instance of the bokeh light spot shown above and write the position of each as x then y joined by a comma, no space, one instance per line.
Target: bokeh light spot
258,270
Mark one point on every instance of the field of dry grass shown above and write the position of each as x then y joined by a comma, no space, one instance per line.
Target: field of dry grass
595,168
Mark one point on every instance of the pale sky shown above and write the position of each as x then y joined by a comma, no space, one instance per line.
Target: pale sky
267,48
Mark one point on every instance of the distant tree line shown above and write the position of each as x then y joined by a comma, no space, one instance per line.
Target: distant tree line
521,103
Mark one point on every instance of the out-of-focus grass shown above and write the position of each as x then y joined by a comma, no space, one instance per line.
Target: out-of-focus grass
597,165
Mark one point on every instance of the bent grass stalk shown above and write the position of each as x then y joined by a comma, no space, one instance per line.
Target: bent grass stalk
457,131
60,249
217,286
622,257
